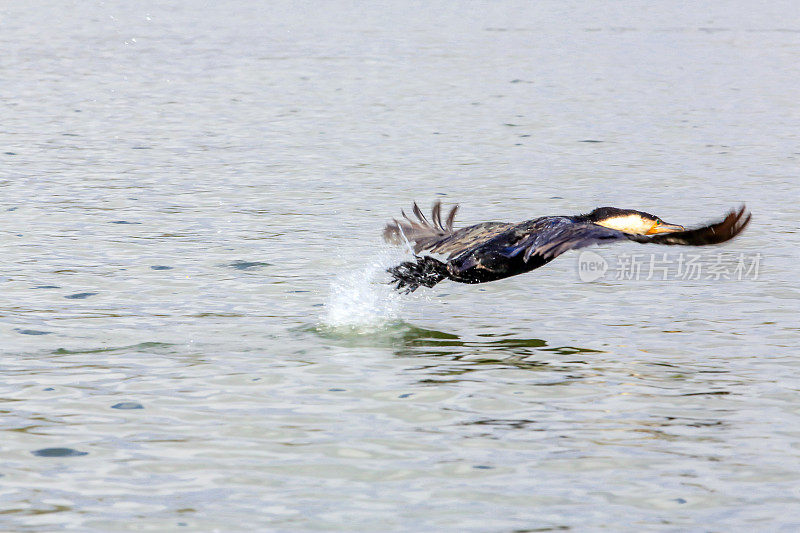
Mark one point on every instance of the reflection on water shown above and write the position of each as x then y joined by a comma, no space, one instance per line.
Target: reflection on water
458,356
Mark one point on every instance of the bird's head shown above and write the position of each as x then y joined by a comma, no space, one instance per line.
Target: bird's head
631,221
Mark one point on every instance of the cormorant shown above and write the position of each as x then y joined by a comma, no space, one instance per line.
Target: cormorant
495,250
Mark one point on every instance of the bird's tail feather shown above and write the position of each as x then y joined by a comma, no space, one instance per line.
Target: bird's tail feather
408,276
421,232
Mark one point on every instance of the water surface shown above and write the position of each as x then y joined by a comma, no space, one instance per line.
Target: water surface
196,330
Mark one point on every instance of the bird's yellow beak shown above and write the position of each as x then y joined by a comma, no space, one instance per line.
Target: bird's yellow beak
661,227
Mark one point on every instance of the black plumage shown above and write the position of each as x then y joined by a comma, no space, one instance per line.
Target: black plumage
495,250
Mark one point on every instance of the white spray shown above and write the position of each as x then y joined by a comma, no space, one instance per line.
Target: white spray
361,300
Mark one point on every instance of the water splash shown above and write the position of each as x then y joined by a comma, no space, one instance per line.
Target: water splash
361,301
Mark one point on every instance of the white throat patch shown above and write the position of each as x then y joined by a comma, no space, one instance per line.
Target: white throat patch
633,224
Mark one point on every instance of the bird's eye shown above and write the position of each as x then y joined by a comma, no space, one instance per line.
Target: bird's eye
658,222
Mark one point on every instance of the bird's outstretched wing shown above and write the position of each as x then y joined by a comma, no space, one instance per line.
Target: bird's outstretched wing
440,237
573,237
559,235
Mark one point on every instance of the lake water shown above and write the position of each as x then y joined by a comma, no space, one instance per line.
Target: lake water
196,330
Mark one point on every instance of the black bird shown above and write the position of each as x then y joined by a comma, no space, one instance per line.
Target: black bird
495,250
